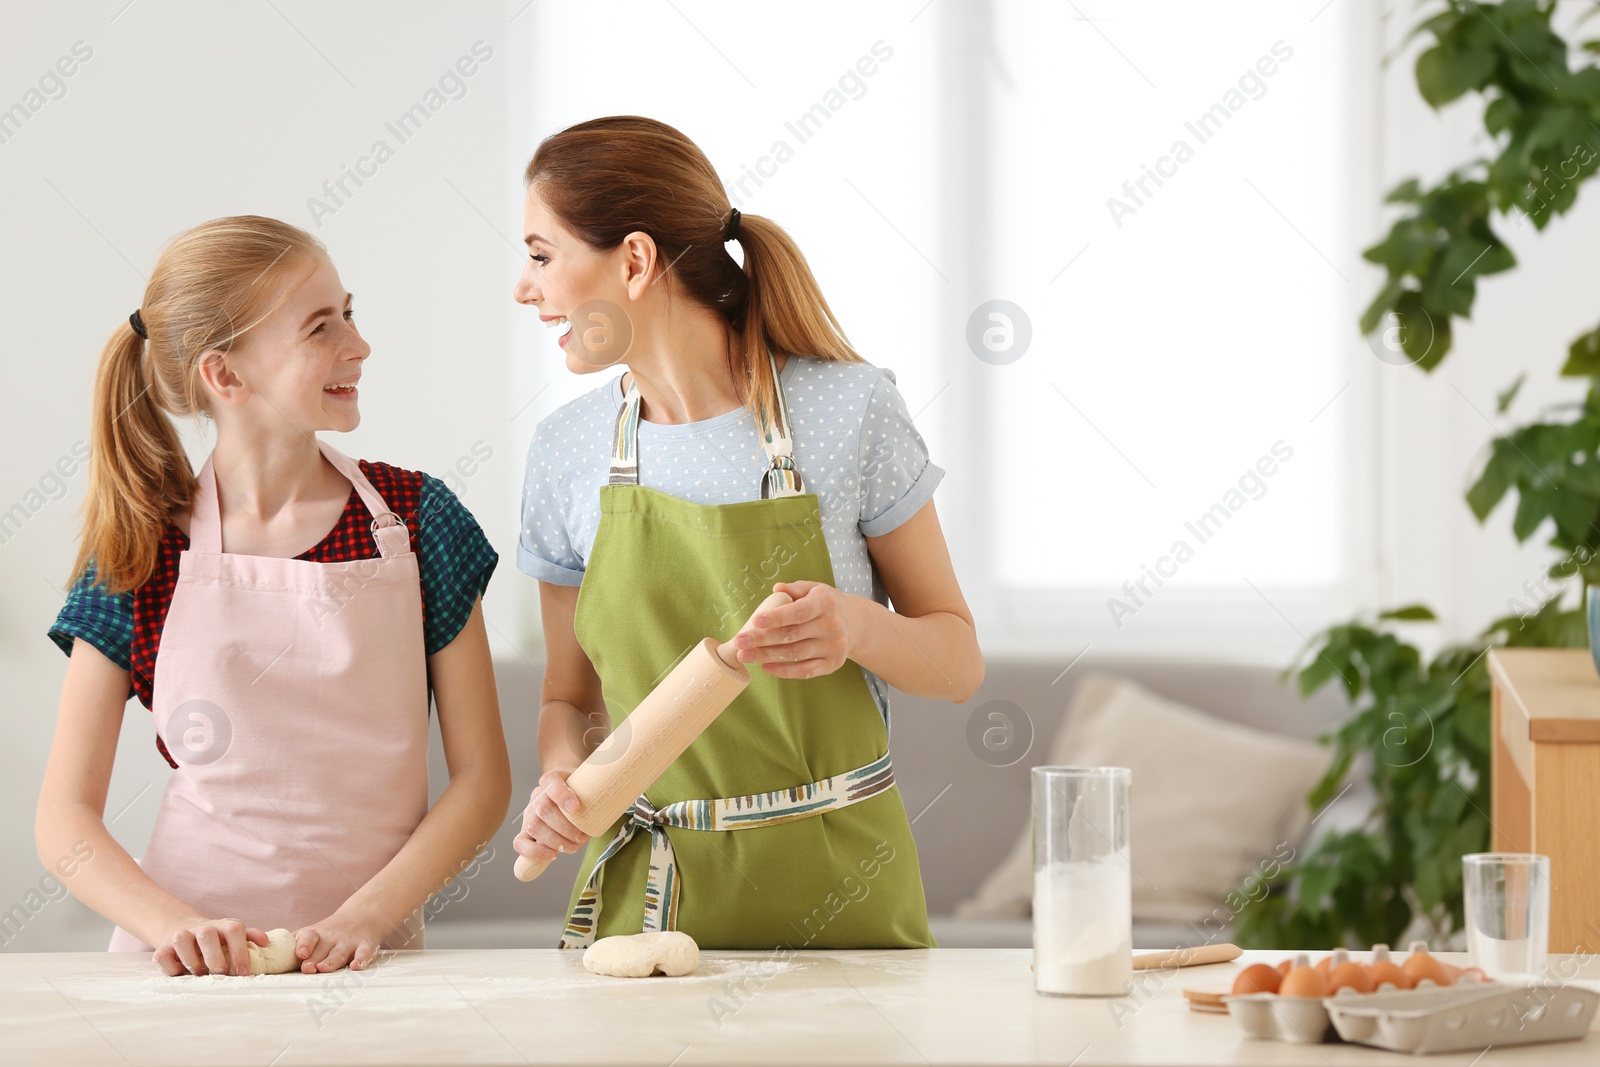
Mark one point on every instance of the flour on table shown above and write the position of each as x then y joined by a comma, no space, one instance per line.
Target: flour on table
276,956
672,952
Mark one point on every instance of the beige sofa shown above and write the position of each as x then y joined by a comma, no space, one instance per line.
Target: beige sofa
967,811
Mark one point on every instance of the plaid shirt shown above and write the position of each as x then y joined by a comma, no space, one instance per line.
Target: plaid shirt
453,555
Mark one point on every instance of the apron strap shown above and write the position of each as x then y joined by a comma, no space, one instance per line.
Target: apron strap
205,524
662,886
781,478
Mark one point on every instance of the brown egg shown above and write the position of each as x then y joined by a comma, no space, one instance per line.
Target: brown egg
1387,970
1354,975
1330,963
1284,968
1257,978
1303,982
1421,966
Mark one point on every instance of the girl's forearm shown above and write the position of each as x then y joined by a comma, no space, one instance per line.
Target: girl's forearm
933,655
77,849
473,806
466,817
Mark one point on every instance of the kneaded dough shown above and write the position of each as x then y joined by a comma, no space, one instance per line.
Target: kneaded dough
277,957
672,952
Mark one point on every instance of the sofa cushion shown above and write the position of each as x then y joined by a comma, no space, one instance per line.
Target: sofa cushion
1212,801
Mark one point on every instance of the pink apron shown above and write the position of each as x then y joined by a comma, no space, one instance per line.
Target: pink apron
293,696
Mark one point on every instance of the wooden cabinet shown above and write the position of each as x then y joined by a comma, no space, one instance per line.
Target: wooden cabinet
1545,767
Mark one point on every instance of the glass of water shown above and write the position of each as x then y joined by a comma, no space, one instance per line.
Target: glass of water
1082,893
1507,904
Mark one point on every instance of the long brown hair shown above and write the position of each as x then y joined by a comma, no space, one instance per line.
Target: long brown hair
210,286
605,178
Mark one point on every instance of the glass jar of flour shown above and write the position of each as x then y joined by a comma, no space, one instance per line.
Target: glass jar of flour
1082,892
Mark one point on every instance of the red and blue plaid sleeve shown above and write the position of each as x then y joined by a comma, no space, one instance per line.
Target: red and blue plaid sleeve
101,618
455,558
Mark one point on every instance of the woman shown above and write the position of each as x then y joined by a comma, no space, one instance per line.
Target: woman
290,685
656,514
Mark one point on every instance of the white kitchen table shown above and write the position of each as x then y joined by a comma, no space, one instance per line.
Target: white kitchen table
513,1006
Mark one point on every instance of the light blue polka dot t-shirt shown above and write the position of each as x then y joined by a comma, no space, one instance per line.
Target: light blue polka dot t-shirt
854,443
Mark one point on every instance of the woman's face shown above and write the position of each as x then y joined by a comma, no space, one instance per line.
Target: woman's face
579,294
300,365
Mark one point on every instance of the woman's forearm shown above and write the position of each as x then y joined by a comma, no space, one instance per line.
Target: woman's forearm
567,734
933,655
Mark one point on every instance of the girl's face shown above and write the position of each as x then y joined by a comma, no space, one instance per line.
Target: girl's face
579,294
298,366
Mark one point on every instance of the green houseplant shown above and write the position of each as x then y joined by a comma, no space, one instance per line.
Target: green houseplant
1420,729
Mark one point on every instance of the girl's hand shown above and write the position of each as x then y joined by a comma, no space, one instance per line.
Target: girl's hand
209,946
546,830
344,938
803,639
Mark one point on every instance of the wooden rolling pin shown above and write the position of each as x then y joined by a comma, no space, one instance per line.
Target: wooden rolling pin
1187,957
1197,956
667,720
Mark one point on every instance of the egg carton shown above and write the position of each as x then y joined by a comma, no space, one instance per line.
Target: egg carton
1463,1017
1270,1017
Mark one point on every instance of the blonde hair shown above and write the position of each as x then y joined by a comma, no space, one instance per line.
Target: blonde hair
608,177
211,285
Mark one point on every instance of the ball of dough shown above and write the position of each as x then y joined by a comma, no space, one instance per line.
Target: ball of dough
276,957
671,952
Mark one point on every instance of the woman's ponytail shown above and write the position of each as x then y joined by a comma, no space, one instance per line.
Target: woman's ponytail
783,308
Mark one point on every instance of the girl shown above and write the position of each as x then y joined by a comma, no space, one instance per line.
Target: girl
656,514
283,615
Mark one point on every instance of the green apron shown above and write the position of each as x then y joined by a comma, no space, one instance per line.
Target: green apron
781,825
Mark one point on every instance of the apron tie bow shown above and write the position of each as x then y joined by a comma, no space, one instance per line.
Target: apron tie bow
727,813
661,885
644,815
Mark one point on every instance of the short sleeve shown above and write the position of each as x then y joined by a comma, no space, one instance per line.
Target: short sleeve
544,547
897,477
103,619
455,559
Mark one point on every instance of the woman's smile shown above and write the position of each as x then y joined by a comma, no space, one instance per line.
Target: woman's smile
552,322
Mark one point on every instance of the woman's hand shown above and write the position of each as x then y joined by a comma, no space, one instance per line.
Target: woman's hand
208,946
348,937
546,830
808,637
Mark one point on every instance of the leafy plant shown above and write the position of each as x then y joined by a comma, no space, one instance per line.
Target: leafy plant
1555,469
1540,115
1421,729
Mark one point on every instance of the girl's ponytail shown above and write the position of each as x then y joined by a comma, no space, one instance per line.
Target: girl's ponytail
209,288
139,473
